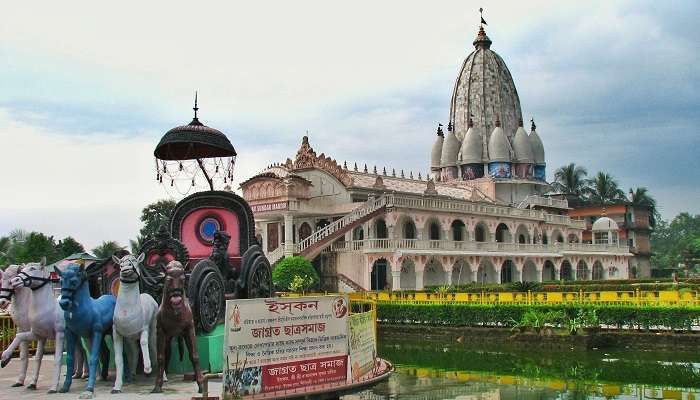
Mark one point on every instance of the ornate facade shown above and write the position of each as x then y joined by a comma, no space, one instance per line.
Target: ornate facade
479,216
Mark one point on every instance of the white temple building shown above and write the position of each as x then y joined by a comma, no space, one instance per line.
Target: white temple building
479,217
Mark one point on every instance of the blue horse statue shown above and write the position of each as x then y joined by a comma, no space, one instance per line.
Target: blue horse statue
85,317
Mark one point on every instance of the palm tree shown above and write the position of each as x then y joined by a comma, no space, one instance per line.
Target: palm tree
106,249
604,189
640,197
570,179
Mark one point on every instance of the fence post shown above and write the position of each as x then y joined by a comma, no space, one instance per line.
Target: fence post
637,296
580,296
529,297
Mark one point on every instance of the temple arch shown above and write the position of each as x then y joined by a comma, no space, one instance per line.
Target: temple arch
458,230
598,271
530,272
486,272
566,273
522,235
434,274
548,271
507,271
408,274
379,275
461,273
481,232
503,235
581,271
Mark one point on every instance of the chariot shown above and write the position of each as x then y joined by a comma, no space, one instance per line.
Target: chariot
212,234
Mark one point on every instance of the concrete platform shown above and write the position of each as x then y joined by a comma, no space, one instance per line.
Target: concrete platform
175,388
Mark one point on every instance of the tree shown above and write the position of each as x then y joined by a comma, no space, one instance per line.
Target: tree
570,179
34,246
136,244
68,246
640,197
672,241
106,249
154,215
295,274
603,190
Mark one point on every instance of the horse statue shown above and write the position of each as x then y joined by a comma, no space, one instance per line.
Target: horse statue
175,320
45,318
85,317
134,318
19,311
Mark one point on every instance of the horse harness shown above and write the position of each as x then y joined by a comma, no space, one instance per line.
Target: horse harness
27,280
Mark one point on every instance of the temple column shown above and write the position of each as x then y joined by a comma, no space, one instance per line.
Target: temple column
288,235
396,280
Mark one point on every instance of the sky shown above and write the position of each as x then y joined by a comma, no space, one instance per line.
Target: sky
88,88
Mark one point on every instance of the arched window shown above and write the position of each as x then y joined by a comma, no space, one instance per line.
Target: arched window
457,230
480,233
358,233
521,239
382,232
409,230
502,233
304,231
434,231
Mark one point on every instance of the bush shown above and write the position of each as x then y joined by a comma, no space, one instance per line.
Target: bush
509,315
295,274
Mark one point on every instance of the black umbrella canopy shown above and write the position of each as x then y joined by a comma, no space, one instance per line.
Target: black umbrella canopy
193,141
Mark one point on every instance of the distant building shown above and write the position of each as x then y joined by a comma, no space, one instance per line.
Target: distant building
478,216
634,226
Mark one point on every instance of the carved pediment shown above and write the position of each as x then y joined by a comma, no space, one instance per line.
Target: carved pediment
307,158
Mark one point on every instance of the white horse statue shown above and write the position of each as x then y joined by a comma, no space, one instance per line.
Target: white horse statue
19,300
45,317
134,318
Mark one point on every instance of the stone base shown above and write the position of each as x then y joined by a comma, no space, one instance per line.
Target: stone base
211,349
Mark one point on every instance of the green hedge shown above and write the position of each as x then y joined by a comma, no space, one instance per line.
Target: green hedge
677,318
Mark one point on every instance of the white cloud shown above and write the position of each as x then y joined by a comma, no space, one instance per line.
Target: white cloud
91,187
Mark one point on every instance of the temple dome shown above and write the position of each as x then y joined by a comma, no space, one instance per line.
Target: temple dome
485,91
499,147
522,147
536,146
604,224
472,148
436,152
450,148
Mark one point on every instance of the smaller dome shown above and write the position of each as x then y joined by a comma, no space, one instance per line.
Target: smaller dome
605,224
449,150
499,147
536,145
436,152
522,147
472,147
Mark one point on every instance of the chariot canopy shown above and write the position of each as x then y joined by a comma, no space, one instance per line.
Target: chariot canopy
189,154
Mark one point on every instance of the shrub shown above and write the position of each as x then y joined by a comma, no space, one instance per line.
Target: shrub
295,274
509,315
525,286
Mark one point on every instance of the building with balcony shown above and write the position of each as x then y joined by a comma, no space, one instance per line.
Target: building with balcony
479,216
634,226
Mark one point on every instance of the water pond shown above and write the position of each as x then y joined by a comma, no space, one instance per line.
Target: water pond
447,369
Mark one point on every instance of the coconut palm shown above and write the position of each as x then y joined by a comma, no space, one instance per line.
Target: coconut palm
106,249
603,189
570,179
640,197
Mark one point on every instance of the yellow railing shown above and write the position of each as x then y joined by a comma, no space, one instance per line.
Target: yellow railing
636,297
7,335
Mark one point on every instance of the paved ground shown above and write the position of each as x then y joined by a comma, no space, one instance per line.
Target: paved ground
175,388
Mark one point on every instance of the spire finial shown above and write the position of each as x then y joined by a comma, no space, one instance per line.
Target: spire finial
483,22
532,124
195,108
439,130
481,39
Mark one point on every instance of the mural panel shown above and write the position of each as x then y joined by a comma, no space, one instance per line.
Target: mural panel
540,172
500,170
472,171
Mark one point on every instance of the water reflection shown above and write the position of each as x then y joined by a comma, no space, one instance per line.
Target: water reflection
444,369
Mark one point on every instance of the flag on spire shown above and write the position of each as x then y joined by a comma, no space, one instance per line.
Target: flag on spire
483,21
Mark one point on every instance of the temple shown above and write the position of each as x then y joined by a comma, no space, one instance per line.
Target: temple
480,216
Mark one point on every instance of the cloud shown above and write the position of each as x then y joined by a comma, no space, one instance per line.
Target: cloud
91,88
91,187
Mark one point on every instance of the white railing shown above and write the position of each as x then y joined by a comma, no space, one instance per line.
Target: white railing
535,200
276,255
464,206
369,207
390,245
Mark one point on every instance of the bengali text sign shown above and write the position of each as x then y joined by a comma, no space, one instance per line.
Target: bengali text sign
284,343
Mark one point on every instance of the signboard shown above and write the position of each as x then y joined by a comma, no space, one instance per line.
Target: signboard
279,205
284,344
362,344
